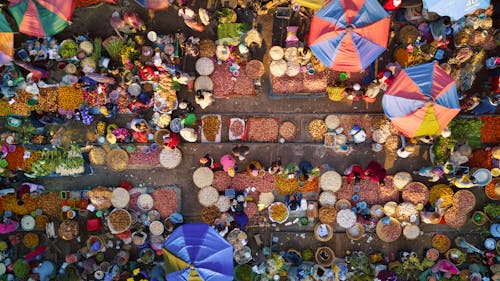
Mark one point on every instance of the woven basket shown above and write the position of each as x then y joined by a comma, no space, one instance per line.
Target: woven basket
210,214
207,48
324,216
284,134
448,256
408,34
158,137
360,234
203,83
92,240
97,156
117,159
100,197
342,204
322,260
484,218
447,243
326,238
68,230
335,93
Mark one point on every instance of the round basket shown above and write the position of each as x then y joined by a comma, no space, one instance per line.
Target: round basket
293,69
451,253
100,197
492,190
411,231
401,179
210,214
479,218
119,220
68,230
223,203
332,122
208,196
97,156
464,201
117,159
158,137
350,232
170,159
326,238
342,204
95,244
222,52
390,208
28,223
145,202
254,69
377,211
156,228
330,180
455,218
204,66
325,256
327,198
203,176
416,193
203,83
278,68
31,240
383,230
276,53
207,48
120,198
288,130
281,207
441,243
291,54
327,214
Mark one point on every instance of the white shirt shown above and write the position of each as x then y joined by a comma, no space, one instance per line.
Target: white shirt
403,153
187,14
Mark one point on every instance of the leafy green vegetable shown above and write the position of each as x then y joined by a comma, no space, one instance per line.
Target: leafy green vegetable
243,273
68,48
492,210
463,128
21,269
96,55
442,149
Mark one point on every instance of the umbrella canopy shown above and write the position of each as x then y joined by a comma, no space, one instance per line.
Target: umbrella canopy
42,18
348,35
455,9
6,41
154,4
196,252
421,100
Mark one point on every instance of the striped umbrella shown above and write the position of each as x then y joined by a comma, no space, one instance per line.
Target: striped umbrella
348,35
154,4
42,18
6,41
421,100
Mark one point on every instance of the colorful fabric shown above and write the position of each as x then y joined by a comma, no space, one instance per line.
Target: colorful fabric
4,25
421,100
42,18
349,35
455,9
196,252
6,47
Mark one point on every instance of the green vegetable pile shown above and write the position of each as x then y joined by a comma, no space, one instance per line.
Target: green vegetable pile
243,273
65,163
442,149
68,48
492,210
21,269
464,128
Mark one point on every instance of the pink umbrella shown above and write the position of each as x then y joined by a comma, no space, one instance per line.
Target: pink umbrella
154,4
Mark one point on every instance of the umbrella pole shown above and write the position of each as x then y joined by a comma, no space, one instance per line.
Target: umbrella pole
375,73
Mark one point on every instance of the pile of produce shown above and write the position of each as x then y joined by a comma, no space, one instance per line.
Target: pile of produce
263,129
211,127
317,129
72,163
278,212
443,192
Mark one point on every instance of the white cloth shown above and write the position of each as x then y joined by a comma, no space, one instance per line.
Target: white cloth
189,134
206,101
187,14
402,153
183,79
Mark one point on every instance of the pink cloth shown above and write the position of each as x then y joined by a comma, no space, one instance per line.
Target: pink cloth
10,227
227,161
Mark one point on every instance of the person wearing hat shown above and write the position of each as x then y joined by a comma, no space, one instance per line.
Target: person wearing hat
228,163
357,134
487,105
189,134
204,99
140,129
240,151
405,151
208,161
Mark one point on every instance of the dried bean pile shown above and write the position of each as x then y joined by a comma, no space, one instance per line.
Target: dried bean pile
241,181
166,201
416,192
263,129
237,128
211,127
222,180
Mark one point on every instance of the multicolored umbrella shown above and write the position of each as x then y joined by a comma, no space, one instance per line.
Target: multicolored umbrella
6,41
348,35
455,9
421,100
42,18
196,252
154,4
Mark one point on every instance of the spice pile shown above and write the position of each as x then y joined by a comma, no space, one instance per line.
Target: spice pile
211,127
69,98
166,201
317,129
278,212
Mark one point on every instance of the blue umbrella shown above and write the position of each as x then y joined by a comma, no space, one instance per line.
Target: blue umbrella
196,252
455,9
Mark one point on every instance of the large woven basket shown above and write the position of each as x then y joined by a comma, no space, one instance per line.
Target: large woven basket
117,159
325,256
327,214
207,48
326,238
158,137
360,234
97,156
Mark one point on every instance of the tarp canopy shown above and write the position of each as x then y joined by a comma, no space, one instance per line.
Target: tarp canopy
6,41
421,100
455,9
312,4
348,35
42,18
4,25
196,252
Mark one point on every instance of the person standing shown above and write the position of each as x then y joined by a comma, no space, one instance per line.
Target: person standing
241,151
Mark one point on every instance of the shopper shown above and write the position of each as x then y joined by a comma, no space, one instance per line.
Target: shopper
376,172
355,171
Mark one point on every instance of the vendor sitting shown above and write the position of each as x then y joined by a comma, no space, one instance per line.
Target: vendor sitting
305,169
208,161
276,168
355,171
294,200
140,129
170,141
239,203
357,134
255,169
228,164
204,99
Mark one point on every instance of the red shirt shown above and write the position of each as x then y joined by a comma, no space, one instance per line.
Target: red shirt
174,140
355,169
375,171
